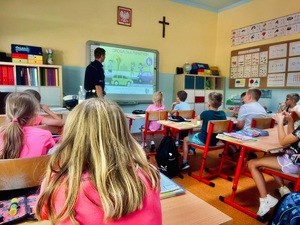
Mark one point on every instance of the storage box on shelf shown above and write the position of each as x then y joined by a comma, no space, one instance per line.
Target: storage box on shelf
46,79
198,88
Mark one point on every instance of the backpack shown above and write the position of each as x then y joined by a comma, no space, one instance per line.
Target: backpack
167,157
287,211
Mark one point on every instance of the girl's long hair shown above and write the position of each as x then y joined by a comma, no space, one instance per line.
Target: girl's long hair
20,109
96,140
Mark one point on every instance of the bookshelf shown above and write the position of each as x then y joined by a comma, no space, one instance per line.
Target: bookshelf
46,79
195,86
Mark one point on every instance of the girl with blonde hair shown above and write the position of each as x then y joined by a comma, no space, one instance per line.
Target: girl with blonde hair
18,138
157,105
99,174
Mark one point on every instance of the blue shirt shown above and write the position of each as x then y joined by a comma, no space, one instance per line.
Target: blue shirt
182,106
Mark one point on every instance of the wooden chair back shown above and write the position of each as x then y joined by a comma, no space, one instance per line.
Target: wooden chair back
22,172
155,115
263,123
187,114
219,126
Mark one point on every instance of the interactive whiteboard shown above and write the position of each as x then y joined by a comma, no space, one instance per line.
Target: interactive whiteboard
130,72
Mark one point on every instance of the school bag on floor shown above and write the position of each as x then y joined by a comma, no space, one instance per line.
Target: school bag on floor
287,211
167,157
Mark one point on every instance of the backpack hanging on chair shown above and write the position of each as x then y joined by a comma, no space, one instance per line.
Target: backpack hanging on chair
167,157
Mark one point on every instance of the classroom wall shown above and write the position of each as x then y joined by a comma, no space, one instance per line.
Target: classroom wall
194,35
66,27
251,13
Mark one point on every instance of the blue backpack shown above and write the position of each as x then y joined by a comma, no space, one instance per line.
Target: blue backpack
287,211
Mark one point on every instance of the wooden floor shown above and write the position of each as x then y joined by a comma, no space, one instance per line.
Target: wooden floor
247,192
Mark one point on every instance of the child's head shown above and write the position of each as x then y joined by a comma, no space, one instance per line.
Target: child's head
158,98
292,99
96,140
35,93
21,110
181,95
254,93
242,97
215,99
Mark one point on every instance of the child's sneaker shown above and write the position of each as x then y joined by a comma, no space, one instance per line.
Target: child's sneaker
192,151
144,145
266,204
185,165
284,190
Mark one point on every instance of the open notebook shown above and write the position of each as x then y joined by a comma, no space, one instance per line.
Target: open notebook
169,188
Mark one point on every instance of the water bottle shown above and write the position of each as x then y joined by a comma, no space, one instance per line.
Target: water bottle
81,96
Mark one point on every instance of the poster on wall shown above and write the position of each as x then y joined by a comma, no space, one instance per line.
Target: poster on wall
240,82
276,80
293,79
254,82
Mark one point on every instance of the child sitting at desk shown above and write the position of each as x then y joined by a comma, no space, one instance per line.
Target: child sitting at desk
19,138
214,102
290,105
289,162
55,120
99,174
157,105
180,103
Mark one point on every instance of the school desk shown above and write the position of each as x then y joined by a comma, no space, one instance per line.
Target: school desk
185,209
132,117
263,144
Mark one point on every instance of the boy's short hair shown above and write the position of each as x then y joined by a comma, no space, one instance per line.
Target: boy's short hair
98,52
255,93
35,93
215,99
182,95
293,96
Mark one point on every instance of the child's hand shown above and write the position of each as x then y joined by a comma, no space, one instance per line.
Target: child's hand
288,116
279,117
45,108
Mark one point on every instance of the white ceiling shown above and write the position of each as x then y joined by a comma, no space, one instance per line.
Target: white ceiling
213,5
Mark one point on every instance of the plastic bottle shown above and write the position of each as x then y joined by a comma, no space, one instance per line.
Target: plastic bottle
81,96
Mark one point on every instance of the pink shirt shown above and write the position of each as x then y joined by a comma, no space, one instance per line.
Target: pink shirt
154,126
88,213
38,121
36,142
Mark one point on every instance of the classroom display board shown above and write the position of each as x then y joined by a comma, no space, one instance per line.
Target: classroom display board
130,72
275,65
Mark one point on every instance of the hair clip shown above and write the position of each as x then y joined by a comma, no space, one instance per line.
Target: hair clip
15,120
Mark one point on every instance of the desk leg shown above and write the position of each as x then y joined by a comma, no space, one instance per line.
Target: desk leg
230,201
130,124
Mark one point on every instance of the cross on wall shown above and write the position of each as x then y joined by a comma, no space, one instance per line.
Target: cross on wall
164,23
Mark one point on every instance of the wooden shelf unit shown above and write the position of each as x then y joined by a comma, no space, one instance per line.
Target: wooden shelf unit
46,79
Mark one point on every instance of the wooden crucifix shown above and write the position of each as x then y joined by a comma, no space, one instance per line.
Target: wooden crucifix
164,23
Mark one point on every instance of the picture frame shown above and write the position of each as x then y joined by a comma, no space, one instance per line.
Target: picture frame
124,16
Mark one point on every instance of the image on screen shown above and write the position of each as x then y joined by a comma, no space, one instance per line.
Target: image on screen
130,72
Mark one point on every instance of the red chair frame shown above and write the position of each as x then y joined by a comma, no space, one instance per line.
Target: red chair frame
214,127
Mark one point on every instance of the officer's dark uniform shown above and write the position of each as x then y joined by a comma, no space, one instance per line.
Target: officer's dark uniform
94,75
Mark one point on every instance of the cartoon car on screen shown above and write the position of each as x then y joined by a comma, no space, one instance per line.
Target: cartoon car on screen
145,77
121,80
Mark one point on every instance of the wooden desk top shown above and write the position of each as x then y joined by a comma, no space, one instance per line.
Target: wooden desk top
180,125
134,116
263,143
183,209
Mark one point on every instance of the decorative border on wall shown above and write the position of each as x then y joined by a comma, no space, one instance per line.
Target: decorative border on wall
278,27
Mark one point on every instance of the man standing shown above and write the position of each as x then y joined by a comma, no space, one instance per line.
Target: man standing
94,80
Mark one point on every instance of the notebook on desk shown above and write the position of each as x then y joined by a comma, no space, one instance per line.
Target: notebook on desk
169,188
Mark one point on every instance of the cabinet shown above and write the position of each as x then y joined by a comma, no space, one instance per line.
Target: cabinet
196,89
46,79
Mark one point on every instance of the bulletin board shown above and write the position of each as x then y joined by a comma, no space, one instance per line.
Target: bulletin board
274,65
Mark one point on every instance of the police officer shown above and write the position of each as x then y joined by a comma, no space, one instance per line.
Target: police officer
94,80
